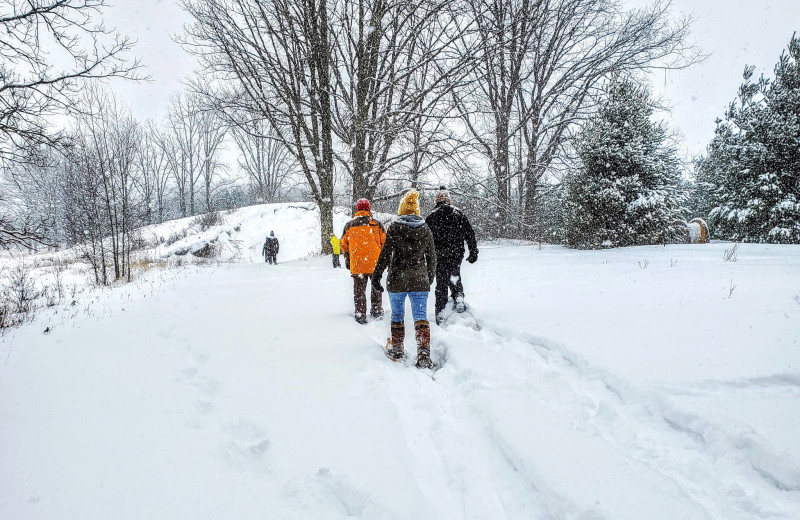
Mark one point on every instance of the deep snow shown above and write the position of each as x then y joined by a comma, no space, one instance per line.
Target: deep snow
616,384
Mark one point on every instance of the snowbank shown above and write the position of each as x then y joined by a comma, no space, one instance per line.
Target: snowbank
241,236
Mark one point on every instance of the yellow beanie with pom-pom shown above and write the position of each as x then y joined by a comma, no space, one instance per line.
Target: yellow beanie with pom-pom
410,204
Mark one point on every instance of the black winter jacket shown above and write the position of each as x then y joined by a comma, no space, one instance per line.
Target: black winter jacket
271,246
451,229
409,254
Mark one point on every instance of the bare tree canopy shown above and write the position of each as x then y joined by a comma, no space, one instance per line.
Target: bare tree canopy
269,166
276,54
47,49
541,65
396,63
103,163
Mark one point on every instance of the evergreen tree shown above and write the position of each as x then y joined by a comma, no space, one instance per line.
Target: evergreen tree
626,192
752,168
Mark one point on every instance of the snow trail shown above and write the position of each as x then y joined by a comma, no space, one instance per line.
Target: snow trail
247,390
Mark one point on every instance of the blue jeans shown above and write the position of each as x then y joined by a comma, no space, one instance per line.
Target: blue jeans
419,304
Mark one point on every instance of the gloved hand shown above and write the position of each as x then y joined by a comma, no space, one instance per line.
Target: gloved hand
376,284
347,261
473,256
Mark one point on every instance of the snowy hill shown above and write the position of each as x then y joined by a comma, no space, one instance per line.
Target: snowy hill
618,384
241,234
237,237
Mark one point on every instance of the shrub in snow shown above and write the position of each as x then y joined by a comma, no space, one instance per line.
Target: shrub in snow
208,220
22,288
176,236
751,173
627,190
18,295
730,254
207,251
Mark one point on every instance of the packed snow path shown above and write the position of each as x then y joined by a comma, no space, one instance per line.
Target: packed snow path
247,391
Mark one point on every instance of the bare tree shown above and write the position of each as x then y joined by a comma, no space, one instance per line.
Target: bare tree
541,64
212,137
84,220
266,161
396,66
276,53
34,89
183,147
20,230
32,203
154,174
107,146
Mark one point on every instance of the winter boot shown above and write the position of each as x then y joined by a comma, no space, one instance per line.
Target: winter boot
394,347
360,318
422,331
460,306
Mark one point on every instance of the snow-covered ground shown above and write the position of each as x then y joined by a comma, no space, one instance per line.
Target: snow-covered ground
638,383
241,236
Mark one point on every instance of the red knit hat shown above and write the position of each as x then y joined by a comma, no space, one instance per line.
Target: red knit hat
362,205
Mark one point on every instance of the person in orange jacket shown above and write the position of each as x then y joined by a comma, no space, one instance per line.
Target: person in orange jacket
361,245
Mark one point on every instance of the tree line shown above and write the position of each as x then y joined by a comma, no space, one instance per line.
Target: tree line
629,188
394,94
533,111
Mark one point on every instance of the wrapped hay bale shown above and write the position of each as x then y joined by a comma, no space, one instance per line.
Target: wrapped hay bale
698,231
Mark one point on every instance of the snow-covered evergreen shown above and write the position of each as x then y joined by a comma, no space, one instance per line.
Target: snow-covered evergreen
626,192
752,170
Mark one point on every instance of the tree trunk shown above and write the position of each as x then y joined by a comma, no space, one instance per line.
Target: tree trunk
326,175
501,170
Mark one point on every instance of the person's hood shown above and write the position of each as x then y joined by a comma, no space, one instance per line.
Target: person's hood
412,221
363,213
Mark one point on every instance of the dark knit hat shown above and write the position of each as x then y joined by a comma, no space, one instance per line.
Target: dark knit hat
362,205
442,195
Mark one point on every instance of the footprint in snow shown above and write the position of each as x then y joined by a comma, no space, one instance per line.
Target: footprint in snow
247,446
204,385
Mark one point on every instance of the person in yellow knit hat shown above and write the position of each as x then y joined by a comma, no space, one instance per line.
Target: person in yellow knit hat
410,256
336,251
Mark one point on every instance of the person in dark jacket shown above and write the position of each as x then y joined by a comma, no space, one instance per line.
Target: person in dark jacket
271,248
409,254
451,229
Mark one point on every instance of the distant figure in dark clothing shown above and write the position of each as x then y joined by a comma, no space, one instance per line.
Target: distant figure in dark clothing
450,229
271,248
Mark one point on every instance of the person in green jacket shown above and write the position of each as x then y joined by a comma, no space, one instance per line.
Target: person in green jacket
410,255
336,251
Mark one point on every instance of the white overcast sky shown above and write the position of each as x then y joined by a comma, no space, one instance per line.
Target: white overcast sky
734,33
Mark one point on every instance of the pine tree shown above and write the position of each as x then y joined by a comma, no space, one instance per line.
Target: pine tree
626,192
752,167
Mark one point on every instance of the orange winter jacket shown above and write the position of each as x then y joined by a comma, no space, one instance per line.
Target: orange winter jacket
361,243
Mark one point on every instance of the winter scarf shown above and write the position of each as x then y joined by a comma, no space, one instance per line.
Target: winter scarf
413,221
